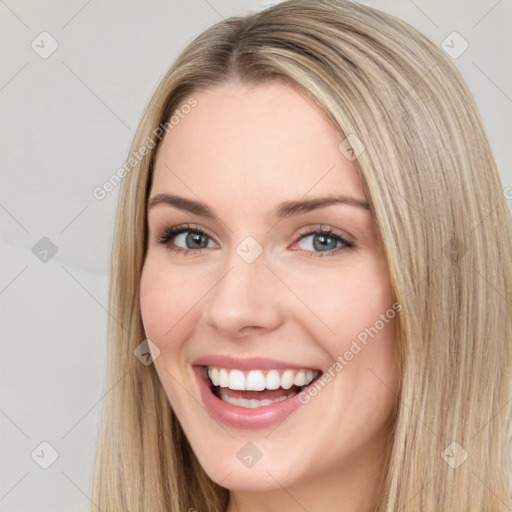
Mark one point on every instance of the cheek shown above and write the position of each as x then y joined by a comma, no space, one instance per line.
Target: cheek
348,301
355,323
167,301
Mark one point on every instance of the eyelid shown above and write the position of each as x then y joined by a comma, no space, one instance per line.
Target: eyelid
180,228
327,228
303,231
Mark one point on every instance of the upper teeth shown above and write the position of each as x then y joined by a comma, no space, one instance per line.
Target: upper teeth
258,380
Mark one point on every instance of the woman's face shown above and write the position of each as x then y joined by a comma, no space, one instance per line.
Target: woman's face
258,293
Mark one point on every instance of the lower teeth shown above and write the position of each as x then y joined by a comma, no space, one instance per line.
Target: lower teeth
253,403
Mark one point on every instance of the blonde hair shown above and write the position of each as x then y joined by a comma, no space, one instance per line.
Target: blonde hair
438,205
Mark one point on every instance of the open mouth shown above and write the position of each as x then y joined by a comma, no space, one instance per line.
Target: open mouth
258,388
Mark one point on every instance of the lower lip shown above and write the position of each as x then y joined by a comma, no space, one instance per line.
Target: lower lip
241,417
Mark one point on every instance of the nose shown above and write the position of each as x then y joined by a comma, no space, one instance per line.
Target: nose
245,300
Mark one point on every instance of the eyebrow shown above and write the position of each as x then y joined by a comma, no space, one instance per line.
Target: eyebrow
286,209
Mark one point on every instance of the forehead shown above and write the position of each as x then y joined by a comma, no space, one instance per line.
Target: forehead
254,144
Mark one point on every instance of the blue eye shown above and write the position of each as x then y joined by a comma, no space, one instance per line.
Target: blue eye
194,236
325,242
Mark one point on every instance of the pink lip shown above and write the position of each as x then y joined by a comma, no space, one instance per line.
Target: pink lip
252,363
241,417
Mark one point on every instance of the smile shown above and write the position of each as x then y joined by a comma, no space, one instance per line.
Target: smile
251,393
258,388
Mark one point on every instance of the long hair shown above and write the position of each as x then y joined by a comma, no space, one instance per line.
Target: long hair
438,206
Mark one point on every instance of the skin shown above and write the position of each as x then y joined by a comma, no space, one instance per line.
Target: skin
243,150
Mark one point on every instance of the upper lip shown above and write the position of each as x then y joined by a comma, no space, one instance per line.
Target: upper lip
249,363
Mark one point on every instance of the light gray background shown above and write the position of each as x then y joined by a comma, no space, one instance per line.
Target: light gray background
66,125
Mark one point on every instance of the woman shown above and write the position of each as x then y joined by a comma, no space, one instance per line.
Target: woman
311,279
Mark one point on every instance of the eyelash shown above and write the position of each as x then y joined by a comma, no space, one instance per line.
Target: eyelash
170,233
